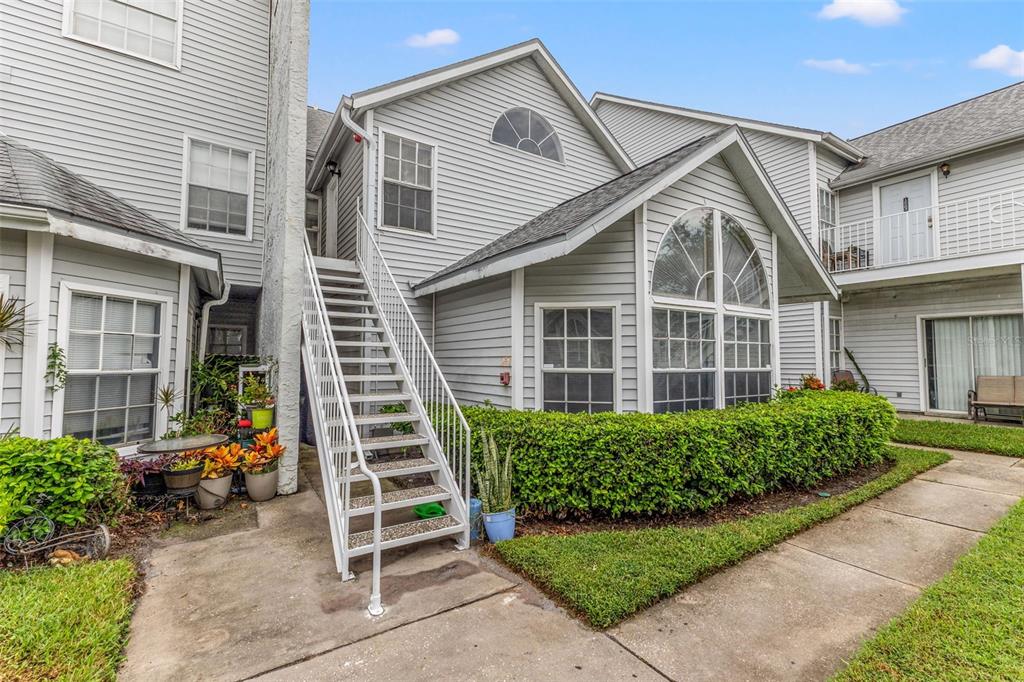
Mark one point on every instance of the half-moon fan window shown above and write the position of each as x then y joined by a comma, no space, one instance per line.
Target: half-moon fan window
527,131
743,278
685,266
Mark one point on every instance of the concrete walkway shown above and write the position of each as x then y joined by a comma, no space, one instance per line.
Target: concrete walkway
267,604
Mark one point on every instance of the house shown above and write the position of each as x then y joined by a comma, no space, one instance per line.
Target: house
148,184
921,225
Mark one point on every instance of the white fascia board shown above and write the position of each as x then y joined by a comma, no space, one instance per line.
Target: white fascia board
833,142
26,218
330,146
562,245
125,241
929,270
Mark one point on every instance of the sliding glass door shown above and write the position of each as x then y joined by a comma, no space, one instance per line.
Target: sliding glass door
958,349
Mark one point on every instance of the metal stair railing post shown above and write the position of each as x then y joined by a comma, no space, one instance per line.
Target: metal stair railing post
448,430
336,429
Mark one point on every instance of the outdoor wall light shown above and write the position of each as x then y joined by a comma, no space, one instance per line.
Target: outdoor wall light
332,168
944,167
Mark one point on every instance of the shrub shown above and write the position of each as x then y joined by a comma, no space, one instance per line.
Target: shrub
73,480
627,464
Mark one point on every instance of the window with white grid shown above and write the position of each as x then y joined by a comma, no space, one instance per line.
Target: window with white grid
684,360
748,359
225,339
113,363
219,189
835,342
578,359
826,208
313,223
142,28
407,195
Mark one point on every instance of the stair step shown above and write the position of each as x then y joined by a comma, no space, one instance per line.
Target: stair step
397,467
386,418
400,440
362,344
398,499
345,328
349,291
378,397
404,534
346,314
359,360
324,264
373,377
347,302
339,279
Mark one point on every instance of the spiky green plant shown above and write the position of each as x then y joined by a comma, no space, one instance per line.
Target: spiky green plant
12,322
494,477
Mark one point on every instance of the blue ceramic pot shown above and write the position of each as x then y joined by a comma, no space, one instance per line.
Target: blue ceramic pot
500,525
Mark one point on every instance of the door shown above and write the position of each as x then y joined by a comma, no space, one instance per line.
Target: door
905,223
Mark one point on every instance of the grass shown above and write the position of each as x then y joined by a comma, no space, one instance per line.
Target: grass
998,440
606,577
65,623
967,626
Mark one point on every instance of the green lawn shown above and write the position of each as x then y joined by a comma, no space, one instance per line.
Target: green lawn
998,440
967,626
608,576
65,623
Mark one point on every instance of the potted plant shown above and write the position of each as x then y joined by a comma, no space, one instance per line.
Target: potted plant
144,475
258,399
215,484
182,473
494,488
260,466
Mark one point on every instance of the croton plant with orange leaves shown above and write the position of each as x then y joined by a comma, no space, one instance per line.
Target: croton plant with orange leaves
221,460
262,455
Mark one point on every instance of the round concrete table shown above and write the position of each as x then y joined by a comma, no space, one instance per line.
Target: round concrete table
183,444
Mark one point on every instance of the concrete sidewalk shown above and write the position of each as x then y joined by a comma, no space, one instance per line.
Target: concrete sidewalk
266,603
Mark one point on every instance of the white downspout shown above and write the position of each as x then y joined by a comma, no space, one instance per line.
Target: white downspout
206,318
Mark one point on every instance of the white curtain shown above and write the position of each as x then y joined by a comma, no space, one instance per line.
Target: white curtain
952,363
996,341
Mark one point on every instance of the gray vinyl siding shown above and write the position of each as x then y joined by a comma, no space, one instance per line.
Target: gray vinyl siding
473,342
829,165
120,121
787,162
349,185
238,313
796,342
714,186
989,172
647,135
880,327
600,271
75,261
12,263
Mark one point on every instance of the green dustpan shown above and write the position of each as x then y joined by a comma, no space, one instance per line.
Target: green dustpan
429,510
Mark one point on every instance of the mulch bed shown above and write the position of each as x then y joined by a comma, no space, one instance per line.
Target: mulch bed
734,510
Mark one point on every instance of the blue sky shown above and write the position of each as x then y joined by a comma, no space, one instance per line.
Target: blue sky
848,66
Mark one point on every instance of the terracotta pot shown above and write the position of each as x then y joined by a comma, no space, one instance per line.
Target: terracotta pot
261,487
213,492
184,480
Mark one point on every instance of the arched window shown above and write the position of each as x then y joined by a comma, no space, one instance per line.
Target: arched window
528,131
710,348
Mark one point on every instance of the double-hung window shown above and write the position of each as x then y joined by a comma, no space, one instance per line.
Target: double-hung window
313,223
219,189
835,342
578,359
114,365
827,214
143,28
407,195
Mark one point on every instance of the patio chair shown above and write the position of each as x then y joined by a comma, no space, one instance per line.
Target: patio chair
1005,392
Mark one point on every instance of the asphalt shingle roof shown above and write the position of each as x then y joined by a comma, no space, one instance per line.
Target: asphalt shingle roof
30,178
317,122
573,213
958,126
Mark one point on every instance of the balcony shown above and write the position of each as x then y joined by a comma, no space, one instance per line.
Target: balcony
982,224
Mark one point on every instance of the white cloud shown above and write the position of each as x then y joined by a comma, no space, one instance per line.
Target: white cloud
1001,58
867,12
836,66
435,38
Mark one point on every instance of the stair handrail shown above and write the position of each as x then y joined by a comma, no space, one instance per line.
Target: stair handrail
449,431
319,352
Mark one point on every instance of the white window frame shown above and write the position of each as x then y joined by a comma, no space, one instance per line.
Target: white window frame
67,31
187,140
319,225
538,347
228,327
516,151
67,288
676,307
842,363
718,307
387,130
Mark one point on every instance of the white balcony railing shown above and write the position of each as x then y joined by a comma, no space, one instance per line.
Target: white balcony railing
987,223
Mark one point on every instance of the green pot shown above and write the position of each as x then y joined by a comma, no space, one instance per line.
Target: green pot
262,417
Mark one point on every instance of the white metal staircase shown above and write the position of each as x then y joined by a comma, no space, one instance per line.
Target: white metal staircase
389,432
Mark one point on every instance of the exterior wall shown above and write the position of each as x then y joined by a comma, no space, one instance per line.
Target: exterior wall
12,265
239,312
829,166
473,341
797,342
484,190
788,164
881,327
349,189
120,121
647,135
600,271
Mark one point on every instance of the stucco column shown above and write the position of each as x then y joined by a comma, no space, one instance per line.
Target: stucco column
280,303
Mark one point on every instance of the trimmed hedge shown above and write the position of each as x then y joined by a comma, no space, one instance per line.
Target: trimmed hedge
641,464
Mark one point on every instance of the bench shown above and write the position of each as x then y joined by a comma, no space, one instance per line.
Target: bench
989,392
